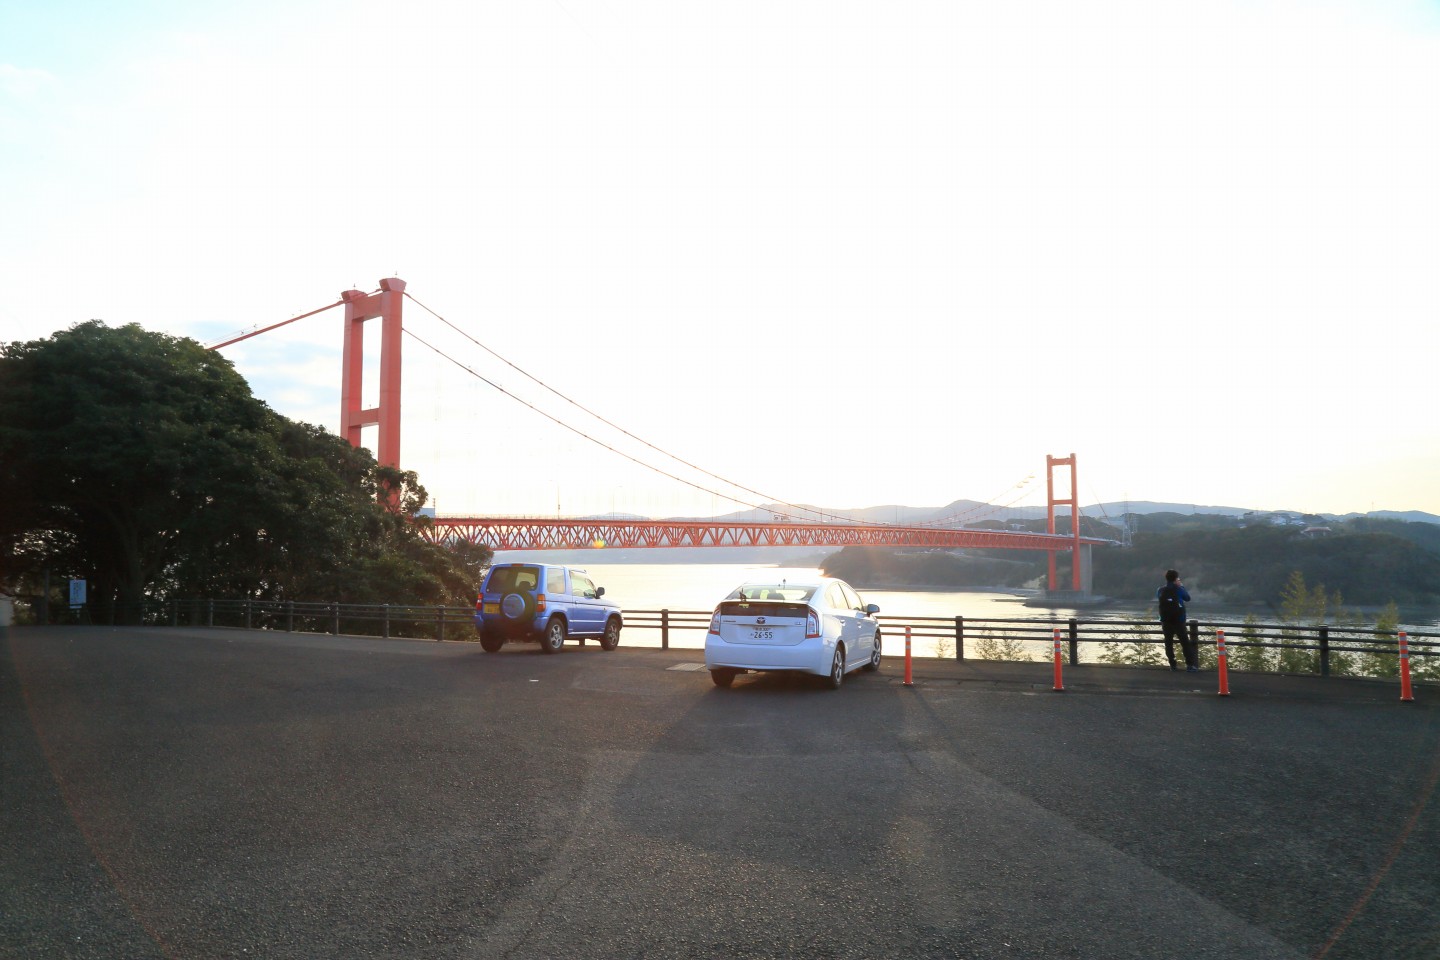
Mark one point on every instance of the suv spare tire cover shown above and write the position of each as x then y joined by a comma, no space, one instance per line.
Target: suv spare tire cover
516,606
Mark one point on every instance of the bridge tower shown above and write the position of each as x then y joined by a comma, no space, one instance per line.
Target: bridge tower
1077,558
359,307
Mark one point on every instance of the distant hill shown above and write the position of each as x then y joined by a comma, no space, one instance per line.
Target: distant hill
1409,516
967,510
1155,518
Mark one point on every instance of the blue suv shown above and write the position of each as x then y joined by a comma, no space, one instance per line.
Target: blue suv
544,602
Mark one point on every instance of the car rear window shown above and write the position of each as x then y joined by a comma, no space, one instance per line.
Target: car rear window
503,579
771,591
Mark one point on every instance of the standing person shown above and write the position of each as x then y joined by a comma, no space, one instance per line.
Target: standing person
1172,598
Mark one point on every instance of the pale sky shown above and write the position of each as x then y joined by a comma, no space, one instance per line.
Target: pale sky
845,254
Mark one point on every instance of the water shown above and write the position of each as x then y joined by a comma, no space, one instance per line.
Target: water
699,586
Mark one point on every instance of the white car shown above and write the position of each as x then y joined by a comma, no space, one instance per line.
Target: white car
813,625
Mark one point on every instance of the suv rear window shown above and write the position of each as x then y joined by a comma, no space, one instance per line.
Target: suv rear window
506,579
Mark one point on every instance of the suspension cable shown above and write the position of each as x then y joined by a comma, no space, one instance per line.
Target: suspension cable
739,486
575,430
274,326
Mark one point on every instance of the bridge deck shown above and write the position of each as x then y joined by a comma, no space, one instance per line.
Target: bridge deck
511,533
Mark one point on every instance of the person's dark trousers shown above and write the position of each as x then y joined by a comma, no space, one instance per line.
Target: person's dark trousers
1172,632
1190,647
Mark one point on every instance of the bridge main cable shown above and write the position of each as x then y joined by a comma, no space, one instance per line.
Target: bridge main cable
273,326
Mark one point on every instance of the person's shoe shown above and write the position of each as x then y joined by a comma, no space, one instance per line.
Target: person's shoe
1173,667
1192,669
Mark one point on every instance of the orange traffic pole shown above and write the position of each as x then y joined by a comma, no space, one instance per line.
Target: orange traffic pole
1059,683
1224,663
1405,693
908,681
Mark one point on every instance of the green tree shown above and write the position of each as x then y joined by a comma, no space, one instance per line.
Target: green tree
143,463
1378,663
1251,656
1138,648
1301,606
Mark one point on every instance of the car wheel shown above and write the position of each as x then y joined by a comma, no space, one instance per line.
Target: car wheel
554,637
837,669
874,663
610,639
491,643
722,678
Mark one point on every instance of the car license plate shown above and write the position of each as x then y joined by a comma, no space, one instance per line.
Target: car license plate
491,608
763,635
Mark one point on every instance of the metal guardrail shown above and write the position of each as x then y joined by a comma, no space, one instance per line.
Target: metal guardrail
1323,640
456,623
365,619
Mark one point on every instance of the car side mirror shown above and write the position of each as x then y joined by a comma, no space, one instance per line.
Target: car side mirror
871,609
599,592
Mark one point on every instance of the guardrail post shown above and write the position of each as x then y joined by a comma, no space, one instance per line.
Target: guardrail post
439,623
209,613
909,678
1222,662
1193,628
1074,641
1324,651
289,616
247,613
664,629
335,619
387,621
959,638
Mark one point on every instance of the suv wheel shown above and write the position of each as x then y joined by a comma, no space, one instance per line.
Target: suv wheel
518,606
610,639
554,637
491,642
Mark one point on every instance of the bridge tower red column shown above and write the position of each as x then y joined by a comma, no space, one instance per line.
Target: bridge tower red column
360,307
1074,502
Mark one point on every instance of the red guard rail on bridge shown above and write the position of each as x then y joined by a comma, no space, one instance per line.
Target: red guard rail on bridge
515,533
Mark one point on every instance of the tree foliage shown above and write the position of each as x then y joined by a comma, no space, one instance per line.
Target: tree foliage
143,463
1257,562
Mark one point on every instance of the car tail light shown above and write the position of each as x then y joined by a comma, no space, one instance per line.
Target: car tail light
715,623
539,603
479,602
812,625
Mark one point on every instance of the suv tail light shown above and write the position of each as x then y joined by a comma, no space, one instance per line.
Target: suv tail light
479,602
539,603
715,623
812,625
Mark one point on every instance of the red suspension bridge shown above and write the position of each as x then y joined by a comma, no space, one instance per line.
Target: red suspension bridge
532,533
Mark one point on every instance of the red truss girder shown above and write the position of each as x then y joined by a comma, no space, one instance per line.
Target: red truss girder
535,534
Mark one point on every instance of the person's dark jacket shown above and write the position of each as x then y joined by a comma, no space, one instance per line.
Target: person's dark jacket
1181,594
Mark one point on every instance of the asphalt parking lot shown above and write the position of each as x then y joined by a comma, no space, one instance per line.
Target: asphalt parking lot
198,793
